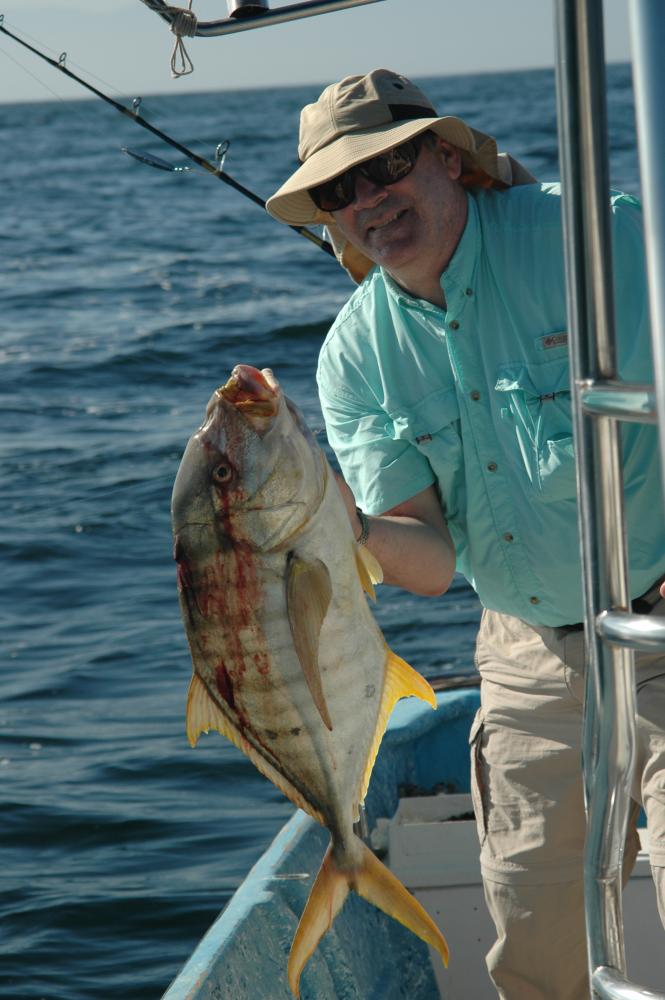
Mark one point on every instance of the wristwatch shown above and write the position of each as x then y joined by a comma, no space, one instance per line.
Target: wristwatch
364,526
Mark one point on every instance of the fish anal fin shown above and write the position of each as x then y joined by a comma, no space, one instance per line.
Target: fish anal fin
401,681
308,596
375,883
203,714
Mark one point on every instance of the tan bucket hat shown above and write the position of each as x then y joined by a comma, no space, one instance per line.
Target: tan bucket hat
360,117
363,116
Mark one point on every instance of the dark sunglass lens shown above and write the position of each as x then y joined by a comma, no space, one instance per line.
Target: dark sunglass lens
334,194
388,168
392,166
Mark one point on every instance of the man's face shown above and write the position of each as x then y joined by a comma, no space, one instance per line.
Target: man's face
415,222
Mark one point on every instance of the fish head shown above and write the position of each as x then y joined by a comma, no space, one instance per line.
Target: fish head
252,469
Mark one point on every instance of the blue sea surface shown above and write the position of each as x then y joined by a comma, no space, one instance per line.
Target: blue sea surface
127,294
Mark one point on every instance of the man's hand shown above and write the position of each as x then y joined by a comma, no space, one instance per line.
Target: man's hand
411,541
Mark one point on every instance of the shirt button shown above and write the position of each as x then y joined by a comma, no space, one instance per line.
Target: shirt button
508,537
469,291
491,466
454,325
475,395
534,600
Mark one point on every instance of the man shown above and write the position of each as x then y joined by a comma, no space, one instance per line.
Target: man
444,384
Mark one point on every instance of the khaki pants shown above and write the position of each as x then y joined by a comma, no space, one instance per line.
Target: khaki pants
528,799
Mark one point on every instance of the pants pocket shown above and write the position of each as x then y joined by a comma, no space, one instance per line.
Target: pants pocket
478,782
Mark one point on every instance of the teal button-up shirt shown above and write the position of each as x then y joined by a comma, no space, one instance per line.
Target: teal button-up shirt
476,399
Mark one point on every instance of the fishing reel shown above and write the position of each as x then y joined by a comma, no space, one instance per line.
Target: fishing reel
246,8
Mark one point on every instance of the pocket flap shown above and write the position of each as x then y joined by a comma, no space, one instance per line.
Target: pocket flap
540,379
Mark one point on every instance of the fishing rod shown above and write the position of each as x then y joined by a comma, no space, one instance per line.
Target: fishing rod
133,115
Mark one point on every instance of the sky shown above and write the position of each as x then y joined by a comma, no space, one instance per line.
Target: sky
126,47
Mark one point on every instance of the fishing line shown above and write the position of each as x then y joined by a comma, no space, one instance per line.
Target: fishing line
32,75
133,115
54,53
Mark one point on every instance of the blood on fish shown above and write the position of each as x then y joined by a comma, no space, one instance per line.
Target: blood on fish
183,569
227,585
183,577
224,685
211,596
186,585
262,663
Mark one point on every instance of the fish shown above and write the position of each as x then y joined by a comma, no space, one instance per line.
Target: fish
289,663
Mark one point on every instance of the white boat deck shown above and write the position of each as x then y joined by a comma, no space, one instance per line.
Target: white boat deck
437,859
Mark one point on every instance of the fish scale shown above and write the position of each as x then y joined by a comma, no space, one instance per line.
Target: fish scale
289,663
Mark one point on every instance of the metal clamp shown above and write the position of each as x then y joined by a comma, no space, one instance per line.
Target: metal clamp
645,633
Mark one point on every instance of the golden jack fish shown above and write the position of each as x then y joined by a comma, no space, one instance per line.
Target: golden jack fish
289,663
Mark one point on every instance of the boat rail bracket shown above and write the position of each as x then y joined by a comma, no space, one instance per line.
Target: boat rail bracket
247,14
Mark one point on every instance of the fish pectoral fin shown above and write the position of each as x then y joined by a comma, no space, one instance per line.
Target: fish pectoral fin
401,681
308,596
375,883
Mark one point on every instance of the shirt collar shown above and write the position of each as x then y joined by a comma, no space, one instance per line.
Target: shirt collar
458,276
404,299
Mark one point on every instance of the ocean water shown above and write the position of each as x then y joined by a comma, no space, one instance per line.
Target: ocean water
127,294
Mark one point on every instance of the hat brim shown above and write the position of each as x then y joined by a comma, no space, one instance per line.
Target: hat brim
292,203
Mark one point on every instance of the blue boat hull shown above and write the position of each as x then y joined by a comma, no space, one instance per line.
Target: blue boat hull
366,955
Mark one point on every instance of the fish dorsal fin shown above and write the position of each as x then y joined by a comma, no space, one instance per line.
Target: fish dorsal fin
401,682
308,596
369,570
364,560
203,714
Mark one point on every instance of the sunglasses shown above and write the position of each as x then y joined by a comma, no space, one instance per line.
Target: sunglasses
385,169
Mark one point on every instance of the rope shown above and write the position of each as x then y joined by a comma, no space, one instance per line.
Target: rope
184,23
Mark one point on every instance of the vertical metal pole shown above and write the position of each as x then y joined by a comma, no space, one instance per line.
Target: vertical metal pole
647,28
608,735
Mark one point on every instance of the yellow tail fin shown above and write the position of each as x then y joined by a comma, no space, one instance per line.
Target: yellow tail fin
375,883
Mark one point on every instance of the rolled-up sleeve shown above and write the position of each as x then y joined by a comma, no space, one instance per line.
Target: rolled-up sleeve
382,469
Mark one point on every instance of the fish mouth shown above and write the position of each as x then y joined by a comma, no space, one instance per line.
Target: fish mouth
253,392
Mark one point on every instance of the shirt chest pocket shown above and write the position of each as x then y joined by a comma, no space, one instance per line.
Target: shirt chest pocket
432,426
534,400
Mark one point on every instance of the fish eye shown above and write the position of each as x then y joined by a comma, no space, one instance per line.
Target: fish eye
222,474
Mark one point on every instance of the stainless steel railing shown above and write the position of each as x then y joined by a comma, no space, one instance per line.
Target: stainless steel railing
263,16
600,401
647,23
